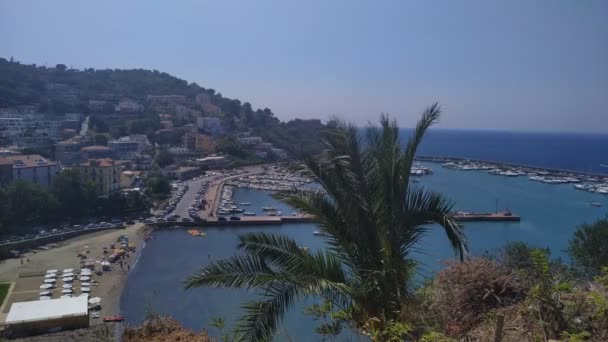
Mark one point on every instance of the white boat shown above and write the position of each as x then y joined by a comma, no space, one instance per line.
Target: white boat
596,204
318,232
248,213
244,203
269,209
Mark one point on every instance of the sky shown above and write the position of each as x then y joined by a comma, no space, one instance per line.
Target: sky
509,65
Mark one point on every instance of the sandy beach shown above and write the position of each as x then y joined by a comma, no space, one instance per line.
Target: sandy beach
27,277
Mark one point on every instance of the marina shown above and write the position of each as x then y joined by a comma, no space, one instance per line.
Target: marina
591,182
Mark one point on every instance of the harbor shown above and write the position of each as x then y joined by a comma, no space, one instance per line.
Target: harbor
591,182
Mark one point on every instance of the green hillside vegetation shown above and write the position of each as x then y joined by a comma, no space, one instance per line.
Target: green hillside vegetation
22,84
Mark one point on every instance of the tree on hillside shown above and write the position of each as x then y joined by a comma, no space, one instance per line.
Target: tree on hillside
589,246
101,139
61,67
29,204
76,195
164,158
372,219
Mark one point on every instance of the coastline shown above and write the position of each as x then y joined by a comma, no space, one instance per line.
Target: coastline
111,284
443,159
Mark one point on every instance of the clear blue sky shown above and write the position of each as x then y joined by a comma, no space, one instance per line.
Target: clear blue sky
516,64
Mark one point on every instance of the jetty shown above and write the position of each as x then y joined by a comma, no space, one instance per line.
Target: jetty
502,216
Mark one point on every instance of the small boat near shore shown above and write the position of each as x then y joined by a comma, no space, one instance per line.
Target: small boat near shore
596,204
113,319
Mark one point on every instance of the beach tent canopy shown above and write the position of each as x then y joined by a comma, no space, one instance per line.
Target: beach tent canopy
67,279
94,300
64,291
51,271
49,281
67,286
50,275
45,293
85,289
36,311
68,270
46,286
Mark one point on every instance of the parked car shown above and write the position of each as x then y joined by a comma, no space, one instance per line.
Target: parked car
235,218
221,218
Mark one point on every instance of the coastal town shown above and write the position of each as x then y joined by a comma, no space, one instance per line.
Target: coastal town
345,171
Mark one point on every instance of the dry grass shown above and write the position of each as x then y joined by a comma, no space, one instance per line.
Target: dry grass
163,329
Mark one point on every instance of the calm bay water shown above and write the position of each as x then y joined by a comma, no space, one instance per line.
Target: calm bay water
550,213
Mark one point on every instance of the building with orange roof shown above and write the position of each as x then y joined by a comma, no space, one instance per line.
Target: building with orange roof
105,172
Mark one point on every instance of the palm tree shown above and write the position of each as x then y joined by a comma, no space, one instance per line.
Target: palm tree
371,218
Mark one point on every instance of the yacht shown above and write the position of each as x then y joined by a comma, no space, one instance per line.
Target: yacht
596,204
249,213
268,209
244,203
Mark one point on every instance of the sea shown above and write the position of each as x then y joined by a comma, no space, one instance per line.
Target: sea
550,214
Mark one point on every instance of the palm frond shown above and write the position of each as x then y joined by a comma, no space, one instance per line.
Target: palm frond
235,272
432,207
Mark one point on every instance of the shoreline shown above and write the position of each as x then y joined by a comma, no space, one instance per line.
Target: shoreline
443,159
111,283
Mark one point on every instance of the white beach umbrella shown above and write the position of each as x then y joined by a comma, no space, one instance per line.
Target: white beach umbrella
85,284
45,298
49,281
85,289
66,291
67,286
85,278
68,270
51,271
46,286
50,275
69,274
67,279
94,300
45,293
66,296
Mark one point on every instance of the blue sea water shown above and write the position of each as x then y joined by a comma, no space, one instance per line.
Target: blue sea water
550,214
569,151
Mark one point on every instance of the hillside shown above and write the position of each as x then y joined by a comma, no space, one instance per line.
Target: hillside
61,90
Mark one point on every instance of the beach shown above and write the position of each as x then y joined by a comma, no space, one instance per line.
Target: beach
27,277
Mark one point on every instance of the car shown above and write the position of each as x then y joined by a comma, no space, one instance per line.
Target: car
186,219
221,218
235,218
130,222
160,220
171,219
148,221
55,231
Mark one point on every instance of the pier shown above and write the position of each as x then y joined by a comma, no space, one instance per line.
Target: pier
301,218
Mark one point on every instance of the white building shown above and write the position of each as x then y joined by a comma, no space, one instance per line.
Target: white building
40,316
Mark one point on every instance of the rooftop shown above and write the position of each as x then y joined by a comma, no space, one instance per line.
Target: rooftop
30,160
102,162
48,309
96,148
